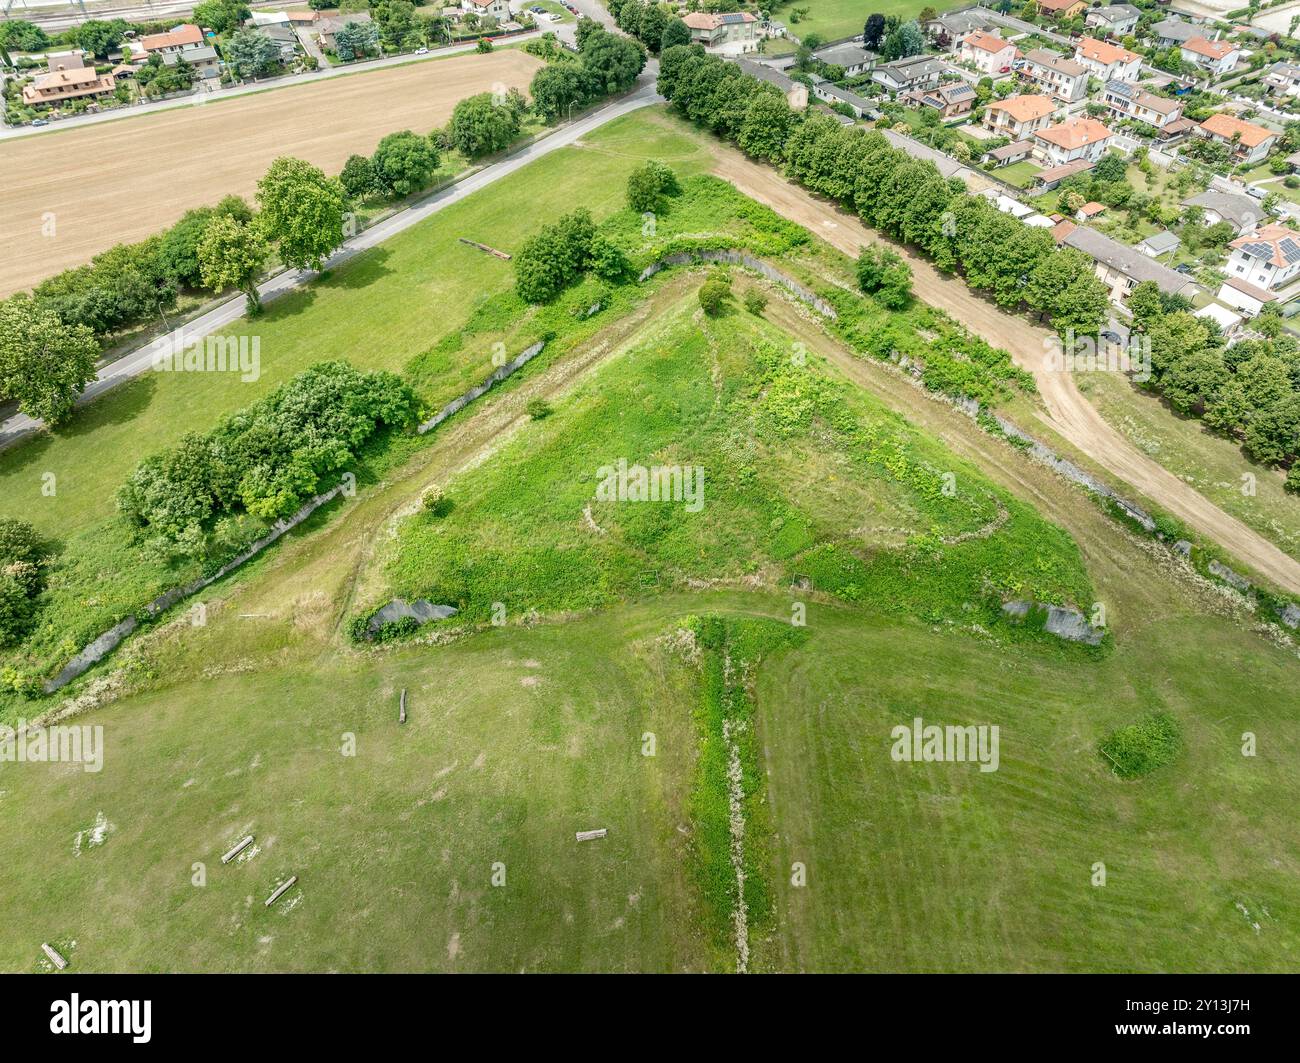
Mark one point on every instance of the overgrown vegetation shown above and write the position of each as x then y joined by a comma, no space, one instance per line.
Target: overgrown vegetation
263,463
1140,748
22,577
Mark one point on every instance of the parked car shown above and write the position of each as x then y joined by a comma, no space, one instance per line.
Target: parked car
422,51
1184,269
39,122
1111,337
1256,191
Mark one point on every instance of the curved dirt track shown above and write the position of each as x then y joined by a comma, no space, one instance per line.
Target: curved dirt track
1067,411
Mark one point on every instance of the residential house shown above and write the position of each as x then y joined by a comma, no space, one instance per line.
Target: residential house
178,39
1214,58
1164,242
987,52
1121,267
69,78
497,9
851,56
1062,8
951,101
1126,100
1243,213
327,27
796,92
735,30
950,27
1283,79
1018,117
203,59
1016,151
1057,76
1247,298
1116,19
1249,143
1048,179
905,75
1108,62
284,35
1069,141
1266,258
830,93
1173,33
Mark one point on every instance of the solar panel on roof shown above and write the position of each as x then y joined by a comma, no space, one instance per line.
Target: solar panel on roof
1290,250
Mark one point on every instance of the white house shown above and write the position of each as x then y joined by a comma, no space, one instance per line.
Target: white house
916,72
1247,298
1283,79
1214,58
1057,76
1126,100
497,9
735,31
1078,138
1118,19
1266,258
988,52
1108,62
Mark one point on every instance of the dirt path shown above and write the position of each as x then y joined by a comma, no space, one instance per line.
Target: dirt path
1067,411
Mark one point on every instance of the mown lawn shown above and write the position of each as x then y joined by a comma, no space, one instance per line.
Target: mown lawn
939,867
834,19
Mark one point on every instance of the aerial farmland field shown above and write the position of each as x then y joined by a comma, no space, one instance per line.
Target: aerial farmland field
121,181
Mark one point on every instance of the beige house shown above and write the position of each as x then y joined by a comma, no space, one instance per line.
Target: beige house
1126,100
1019,116
69,79
497,9
184,36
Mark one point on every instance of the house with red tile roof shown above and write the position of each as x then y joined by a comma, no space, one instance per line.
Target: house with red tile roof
1214,58
1249,143
1109,62
987,52
1071,141
1019,116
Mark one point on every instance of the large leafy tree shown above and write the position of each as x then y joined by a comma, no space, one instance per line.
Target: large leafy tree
557,88
232,254
403,163
44,363
221,16
99,37
356,39
252,53
614,61
303,211
486,123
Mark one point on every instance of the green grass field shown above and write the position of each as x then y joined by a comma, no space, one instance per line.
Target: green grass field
448,844
835,19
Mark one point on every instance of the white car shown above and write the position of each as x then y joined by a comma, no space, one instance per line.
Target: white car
422,51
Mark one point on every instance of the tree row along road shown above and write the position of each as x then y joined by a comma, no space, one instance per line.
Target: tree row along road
1068,412
141,360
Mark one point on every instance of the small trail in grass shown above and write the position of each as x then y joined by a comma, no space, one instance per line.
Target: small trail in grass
736,819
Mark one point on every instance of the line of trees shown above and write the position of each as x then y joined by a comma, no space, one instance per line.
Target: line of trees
650,24
909,199
265,461
1249,391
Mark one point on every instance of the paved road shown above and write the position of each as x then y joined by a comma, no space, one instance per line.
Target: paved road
199,99
139,361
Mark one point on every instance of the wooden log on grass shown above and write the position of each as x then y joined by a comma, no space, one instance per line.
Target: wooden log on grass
239,847
279,891
59,962
591,835
505,255
401,712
